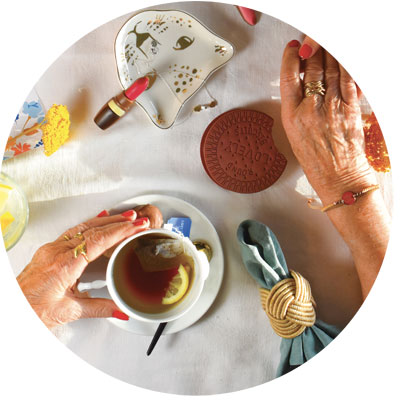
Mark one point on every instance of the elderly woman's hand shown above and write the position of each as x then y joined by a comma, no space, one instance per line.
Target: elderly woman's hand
325,132
327,138
49,281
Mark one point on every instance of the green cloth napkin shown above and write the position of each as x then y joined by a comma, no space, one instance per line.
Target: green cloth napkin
263,257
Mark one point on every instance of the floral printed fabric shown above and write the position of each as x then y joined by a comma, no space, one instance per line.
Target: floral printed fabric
26,133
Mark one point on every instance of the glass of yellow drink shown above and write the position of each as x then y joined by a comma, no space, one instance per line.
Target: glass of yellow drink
14,211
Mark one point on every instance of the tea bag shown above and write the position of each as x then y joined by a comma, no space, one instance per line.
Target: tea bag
159,254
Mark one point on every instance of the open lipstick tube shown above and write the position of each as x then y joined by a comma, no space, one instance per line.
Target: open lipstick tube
119,105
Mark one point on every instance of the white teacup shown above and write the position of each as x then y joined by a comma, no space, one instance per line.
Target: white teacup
201,271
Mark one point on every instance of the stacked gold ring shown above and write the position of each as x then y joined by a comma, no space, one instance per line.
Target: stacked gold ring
314,87
81,248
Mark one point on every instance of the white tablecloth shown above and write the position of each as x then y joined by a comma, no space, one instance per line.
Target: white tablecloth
95,170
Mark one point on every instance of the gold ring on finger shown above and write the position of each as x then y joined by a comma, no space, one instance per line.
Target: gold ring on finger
66,237
81,249
314,87
79,235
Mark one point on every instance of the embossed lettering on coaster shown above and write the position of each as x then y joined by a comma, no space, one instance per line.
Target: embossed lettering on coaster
238,152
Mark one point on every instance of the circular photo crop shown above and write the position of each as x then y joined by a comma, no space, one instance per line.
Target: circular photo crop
196,198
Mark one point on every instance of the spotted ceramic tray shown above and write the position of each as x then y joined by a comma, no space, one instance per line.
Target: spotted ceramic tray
176,51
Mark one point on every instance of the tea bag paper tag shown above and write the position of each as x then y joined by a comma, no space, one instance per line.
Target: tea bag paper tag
179,224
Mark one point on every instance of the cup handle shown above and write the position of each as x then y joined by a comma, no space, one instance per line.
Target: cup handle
85,286
205,264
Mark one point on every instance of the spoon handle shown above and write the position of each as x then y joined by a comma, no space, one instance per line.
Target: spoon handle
156,336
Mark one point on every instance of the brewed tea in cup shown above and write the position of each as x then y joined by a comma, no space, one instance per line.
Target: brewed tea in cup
155,276
153,273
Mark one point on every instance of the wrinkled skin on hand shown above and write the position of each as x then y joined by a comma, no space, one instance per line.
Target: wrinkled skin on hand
326,136
50,280
325,132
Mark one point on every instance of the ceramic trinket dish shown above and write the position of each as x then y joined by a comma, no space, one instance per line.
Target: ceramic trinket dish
176,51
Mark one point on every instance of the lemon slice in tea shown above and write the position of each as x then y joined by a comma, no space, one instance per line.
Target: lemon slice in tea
177,287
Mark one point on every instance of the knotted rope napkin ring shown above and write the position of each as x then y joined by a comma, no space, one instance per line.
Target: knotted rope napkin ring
290,306
314,87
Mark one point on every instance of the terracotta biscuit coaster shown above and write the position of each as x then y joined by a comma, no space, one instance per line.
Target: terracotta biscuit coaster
238,152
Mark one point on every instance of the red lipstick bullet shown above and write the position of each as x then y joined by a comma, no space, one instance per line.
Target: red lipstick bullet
120,104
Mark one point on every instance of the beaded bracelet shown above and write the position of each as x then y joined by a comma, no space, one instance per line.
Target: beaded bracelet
348,198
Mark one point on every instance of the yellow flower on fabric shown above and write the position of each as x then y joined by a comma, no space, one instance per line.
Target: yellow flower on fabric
55,128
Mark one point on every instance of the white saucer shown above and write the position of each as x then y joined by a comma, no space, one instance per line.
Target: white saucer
201,229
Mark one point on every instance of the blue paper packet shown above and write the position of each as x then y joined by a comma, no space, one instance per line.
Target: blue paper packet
180,224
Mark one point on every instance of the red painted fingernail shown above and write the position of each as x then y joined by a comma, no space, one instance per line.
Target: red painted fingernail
128,213
141,221
294,43
104,213
305,51
248,15
120,315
